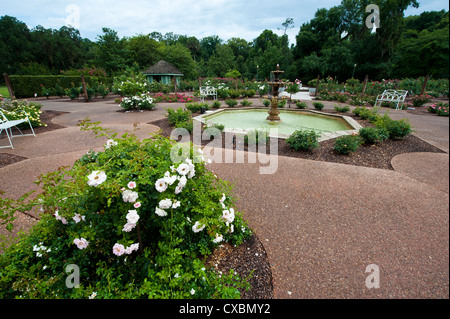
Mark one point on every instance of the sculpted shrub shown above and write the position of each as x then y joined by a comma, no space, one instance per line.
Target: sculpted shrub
135,219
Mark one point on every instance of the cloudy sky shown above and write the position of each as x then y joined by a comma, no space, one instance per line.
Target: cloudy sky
226,18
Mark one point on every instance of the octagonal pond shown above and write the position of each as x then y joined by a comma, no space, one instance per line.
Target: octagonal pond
250,119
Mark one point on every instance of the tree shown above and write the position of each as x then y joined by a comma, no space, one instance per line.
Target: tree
221,61
208,46
110,52
241,50
16,45
288,24
424,52
340,34
193,44
143,50
180,57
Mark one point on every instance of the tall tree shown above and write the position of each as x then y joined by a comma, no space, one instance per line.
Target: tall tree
16,45
208,46
193,44
110,52
180,57
143,50
424,52
221,61
288,24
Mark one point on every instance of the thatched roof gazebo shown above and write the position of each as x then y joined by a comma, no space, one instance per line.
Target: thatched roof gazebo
163,72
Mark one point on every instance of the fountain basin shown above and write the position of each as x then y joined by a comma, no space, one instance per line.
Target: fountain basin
244,120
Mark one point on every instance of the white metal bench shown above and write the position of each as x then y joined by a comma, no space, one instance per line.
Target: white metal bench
395,96
7,125
208,91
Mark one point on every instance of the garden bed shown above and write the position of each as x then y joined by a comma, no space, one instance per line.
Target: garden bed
374,156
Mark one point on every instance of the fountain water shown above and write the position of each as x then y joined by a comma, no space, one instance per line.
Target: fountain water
275,84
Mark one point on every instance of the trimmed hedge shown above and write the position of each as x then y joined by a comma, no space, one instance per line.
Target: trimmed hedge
27,85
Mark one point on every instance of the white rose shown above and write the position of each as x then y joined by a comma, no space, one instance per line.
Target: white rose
132,217
165,204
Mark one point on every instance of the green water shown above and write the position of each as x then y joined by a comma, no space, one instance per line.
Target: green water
290,121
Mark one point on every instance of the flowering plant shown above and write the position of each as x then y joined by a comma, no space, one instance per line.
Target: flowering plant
420,100
440,109
130,86
139,102
14,110
134,218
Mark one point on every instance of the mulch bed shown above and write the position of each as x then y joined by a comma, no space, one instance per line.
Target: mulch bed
375,156
247,260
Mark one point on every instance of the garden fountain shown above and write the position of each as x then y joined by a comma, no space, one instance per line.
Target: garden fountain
275,84
242,121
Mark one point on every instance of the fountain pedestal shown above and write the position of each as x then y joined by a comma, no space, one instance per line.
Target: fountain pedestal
273,112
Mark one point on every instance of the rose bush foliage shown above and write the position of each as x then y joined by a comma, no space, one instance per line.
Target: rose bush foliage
136,223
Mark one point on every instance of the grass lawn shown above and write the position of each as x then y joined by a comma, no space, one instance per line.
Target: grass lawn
4,91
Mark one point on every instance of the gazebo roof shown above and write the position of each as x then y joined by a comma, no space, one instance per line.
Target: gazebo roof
162,68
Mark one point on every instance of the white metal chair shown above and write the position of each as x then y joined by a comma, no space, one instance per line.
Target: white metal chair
7,126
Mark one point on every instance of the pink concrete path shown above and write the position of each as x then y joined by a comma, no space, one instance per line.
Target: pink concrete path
321,223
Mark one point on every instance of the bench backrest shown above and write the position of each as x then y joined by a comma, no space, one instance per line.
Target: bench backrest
207,90
394,94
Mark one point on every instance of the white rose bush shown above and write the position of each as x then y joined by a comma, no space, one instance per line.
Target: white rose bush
135,223
138,102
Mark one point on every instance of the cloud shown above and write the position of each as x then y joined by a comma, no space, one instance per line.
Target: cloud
226,18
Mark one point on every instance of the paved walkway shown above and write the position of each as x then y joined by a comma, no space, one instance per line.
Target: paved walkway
321,223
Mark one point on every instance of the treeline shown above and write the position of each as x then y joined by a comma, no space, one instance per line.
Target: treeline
336,42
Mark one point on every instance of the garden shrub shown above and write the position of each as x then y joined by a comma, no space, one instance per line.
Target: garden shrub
178,115
256,137
231,102
222,93
318,106
140,102
28,85
440,109
246,102
366,114
347,144
420,100
266,102
372,135
234,94
248,93
103,90
303,140
343,109
282,102
134,219
196,107
397,129
215,104
130,87
301,105
73,92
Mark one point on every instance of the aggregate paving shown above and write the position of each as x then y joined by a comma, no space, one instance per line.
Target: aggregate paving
322,224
